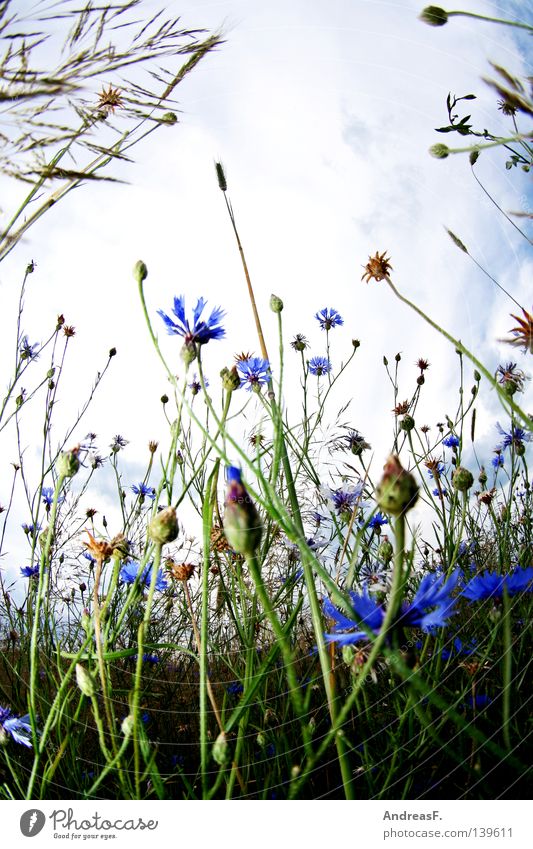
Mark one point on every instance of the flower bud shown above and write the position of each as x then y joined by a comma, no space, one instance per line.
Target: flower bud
462,479
140,271
407,423
348,654
434,16
242,526
356,343
221,753
397,491
164,526
385,550
169,118
127,725
85,681
230,379
68,463
276,304
188,353
439,151
261,740
482,477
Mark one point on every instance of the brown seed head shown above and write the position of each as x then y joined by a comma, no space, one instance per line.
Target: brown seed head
377,267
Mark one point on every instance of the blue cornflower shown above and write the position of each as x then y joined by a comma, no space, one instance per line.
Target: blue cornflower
328,318
29,571
143,491
480,701
130,571
27,351
431,606
451,441
201,331
254,372
345,498
377,520
196,386
47,494
16,727
491,585
319,366
235,688
443,492
374,576
457,647
514,438
497,461
31,530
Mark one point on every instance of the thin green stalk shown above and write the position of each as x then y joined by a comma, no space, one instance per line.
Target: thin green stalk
143,628
44,575
507,668
505,399
503,21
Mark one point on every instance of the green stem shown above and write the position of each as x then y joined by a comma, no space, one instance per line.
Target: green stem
490,19
505,399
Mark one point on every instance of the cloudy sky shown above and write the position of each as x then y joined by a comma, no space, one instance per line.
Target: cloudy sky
322,114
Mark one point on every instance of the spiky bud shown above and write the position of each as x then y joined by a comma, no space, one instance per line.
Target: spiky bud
434,16
241,520
164,526
276,304
397,491
85,681
462,479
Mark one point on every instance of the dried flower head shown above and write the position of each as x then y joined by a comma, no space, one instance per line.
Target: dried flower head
180,571
100,549
243,356
487,496
377,267
401,409
110,99
299,343
422,364
218,539
506,108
